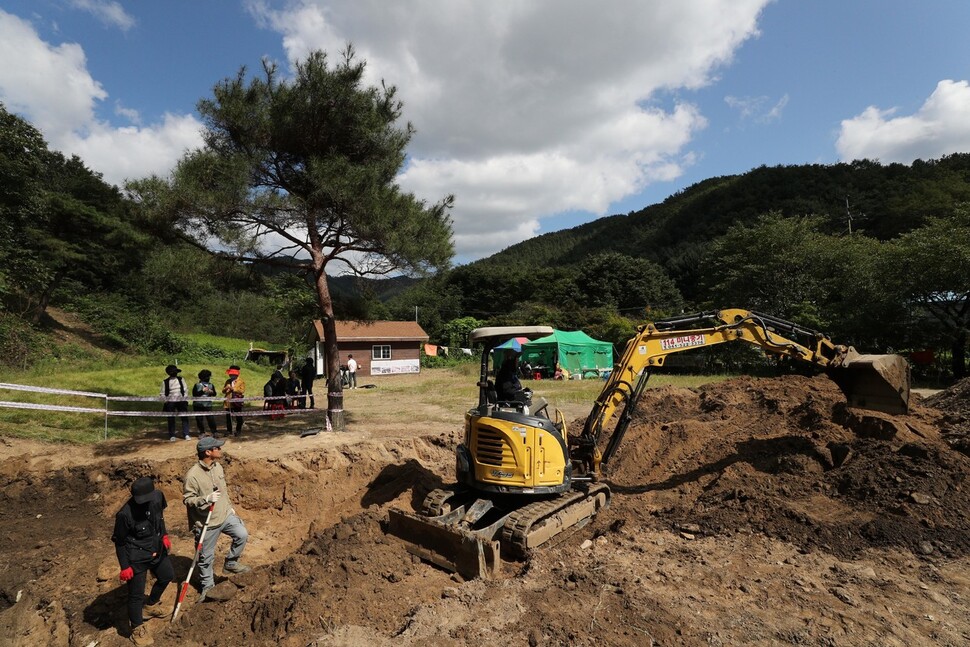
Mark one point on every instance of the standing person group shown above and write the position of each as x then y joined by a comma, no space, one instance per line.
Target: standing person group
174,392
141,545
235,390
205,487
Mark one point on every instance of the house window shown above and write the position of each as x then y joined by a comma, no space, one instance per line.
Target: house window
381,352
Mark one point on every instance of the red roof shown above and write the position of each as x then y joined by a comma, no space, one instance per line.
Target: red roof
375,331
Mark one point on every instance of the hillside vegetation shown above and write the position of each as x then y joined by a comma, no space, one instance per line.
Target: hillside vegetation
873,255
869,253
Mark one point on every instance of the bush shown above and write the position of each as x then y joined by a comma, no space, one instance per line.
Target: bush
456,359
20,345
127,326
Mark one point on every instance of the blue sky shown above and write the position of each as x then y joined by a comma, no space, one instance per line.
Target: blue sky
536,114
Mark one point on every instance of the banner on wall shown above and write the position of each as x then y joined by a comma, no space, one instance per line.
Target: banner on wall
395,366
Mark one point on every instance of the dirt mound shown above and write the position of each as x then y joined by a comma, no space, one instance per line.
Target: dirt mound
954,404
786,458
751,512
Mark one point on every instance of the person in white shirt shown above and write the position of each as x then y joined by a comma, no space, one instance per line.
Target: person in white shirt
352,371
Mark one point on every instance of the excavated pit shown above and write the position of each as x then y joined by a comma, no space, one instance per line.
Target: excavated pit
753,511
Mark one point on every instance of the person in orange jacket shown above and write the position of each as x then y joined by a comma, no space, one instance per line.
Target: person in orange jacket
235,390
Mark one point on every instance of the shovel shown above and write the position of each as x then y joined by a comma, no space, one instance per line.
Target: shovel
195,560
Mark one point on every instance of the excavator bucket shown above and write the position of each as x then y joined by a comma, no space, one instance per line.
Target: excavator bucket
441,541
876,382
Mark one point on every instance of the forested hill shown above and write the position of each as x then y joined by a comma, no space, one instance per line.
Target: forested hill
873,254
883,200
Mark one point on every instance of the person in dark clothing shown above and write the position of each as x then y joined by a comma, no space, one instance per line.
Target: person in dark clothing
308,373
204,389
507,380
279,385
174,392
294,392
274,391
142,545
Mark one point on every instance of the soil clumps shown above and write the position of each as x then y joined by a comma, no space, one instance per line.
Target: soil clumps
748,512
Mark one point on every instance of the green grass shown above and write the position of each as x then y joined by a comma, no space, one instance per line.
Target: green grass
230,345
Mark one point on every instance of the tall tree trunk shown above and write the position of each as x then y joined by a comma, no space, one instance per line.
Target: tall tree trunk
335,392
45,298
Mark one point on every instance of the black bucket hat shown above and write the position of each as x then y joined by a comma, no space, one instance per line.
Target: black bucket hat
172,370
143,490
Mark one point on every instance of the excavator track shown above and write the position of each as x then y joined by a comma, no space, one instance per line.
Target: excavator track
536,523
439,502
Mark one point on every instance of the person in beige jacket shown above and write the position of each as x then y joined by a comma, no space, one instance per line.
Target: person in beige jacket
205,486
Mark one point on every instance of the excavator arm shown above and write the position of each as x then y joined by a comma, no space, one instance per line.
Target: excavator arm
879,382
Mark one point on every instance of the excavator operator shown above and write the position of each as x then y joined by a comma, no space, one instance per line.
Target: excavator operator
507,382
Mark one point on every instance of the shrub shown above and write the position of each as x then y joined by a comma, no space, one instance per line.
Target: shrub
127,326
20,344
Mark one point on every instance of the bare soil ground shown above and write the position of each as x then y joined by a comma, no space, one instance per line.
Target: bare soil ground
750,512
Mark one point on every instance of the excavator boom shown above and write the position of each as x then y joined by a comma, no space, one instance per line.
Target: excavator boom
876,382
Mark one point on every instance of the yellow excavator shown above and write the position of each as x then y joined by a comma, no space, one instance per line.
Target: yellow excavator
522,478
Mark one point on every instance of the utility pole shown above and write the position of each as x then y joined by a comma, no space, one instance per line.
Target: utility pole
415,314
850,217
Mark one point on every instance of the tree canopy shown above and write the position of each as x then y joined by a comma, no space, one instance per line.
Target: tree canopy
301,173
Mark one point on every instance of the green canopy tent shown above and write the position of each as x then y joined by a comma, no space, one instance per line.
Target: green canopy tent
573,351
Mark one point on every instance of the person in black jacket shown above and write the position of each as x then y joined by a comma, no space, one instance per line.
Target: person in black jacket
309,373
142,545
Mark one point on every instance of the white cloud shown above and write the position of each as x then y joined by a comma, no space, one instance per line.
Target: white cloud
130,114
130,153
51,87
940,127
50,84
524,110
757,109
107,11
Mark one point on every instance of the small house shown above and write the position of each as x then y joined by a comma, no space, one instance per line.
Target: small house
380,347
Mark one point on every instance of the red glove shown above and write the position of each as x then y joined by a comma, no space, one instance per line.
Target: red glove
166,542
126,574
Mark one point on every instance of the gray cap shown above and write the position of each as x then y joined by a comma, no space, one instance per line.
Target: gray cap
208,442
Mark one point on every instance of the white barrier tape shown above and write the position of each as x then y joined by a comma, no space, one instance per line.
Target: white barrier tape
162,398
197,414
42,389
137,398
155,414
49,407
